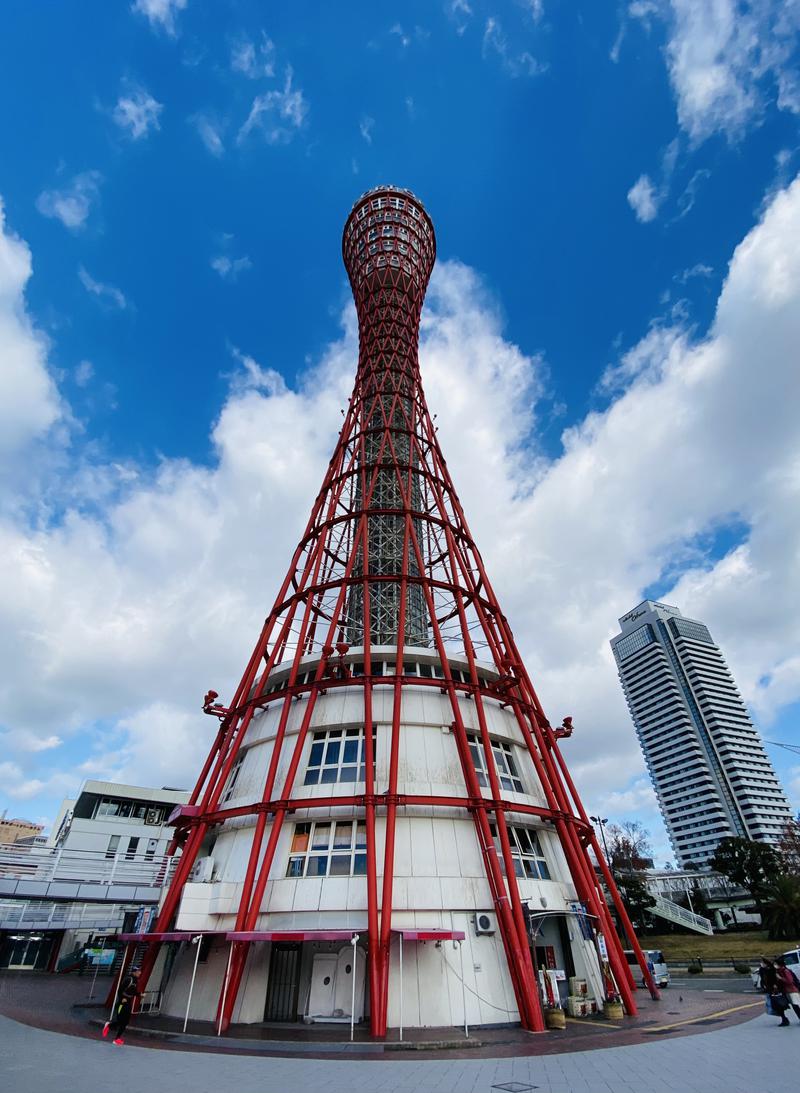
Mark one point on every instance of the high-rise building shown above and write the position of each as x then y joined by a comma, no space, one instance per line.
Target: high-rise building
711,774
384,823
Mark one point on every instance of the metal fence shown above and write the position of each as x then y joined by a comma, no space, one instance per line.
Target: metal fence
46,864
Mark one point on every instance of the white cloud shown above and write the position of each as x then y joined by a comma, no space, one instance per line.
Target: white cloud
72,204
161,14
104,292
699,269
24,740
365,127
210,132
460,12
694,438
137,112
727,59
495,42
403,38
277,114
254,60
84,373
643,198
230,268
534,8
16,785
29,401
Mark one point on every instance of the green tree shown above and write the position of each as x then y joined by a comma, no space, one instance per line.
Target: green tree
749,864
780,908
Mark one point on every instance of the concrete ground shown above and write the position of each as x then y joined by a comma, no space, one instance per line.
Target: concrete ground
752,1056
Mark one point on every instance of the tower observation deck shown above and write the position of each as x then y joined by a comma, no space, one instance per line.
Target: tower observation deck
384,772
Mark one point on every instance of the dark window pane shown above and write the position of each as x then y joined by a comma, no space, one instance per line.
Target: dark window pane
425,670
544,872
315,759
311,778
317,866
340,865
332,752
351,751
348,774
329,774
360,865
295,867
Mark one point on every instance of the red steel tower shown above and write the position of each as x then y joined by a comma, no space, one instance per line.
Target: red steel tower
387,598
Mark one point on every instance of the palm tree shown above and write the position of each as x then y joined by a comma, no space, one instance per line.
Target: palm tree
780,907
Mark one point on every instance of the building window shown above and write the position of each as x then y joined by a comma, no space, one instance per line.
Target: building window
337,755
237,766
328,849
632,643
529,861
133,846
113,846
507,774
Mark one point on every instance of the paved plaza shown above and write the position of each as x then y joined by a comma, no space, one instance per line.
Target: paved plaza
755,1057
751,1056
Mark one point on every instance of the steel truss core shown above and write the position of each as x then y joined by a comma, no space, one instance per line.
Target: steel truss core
387,560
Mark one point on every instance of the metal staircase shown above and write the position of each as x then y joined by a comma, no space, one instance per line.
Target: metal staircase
673,912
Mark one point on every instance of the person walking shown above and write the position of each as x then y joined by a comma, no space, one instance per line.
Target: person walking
767,977
128,994
775,1000
789,984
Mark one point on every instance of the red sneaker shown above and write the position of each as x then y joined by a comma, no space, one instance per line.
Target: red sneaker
119,1041
106,1027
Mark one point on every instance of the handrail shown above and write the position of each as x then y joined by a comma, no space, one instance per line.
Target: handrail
57,863
674,911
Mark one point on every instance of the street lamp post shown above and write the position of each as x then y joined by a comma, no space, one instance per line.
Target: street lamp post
601,823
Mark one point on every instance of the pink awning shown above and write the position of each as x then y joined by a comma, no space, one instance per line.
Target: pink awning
292,935
173,935
431,935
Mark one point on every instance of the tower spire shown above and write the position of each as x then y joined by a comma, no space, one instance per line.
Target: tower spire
387,628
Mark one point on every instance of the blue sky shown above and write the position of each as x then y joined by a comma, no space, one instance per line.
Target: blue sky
178,175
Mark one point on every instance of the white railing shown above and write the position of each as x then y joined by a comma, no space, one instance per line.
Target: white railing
673,912
51,863
35,914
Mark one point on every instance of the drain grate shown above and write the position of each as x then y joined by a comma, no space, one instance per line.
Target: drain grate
515,1087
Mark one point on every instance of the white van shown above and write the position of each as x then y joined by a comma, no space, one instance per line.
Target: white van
655,962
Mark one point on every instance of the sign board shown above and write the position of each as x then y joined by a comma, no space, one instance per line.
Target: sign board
103,957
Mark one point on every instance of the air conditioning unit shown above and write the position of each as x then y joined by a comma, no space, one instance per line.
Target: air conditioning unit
484,923
202,871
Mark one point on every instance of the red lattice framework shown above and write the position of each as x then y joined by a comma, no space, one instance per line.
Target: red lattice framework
387,559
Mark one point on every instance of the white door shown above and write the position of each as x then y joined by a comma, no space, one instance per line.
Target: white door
343,1000
323,985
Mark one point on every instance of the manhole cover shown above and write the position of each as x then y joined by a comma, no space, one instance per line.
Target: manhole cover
515,1087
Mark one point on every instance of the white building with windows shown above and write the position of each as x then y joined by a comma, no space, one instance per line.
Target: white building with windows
709,768
103,865
315,903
